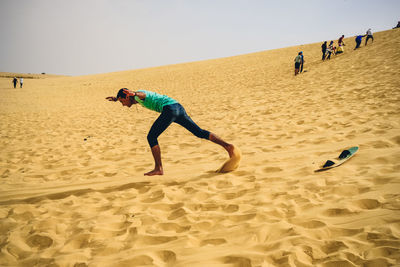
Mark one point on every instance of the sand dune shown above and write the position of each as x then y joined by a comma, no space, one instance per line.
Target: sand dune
71,165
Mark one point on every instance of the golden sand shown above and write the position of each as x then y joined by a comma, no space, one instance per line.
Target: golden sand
71,165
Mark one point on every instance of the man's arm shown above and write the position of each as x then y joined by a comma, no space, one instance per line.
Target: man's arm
141,95
111,98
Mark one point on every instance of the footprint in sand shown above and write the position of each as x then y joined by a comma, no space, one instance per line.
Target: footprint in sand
39,241
140,260
333,246
177,214
215,241
167,256
313,224
174,227
338,212
368,204
237,261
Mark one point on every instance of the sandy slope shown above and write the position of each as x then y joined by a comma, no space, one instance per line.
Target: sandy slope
67,201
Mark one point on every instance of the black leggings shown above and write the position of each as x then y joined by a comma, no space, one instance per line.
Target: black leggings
369,37
174,113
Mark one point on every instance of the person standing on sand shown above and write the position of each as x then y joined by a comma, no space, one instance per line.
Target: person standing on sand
15,82
330,50
340,41
21,82
323,46
302,62
369,36
297,63
171,111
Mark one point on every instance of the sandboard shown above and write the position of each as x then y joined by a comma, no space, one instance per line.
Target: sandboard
343,157
232,163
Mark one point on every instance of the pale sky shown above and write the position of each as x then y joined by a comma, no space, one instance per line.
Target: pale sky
79,37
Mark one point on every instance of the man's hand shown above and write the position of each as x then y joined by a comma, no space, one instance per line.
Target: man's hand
111,98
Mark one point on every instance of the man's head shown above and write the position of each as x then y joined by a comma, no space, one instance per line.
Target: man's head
126,97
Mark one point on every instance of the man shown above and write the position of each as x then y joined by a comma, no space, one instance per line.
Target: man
171,111
302,62
369,36
15,80
297,63
324,46
358,41
340,41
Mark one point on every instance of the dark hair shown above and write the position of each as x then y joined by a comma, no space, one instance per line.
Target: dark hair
121,93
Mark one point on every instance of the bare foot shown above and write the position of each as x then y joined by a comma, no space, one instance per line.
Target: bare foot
154,172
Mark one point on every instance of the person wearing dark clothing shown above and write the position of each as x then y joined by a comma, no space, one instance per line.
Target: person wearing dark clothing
323,46
340,41
397,26
358,41
171,112
302,62
15,80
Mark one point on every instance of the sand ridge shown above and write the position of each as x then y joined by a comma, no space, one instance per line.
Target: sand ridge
71,165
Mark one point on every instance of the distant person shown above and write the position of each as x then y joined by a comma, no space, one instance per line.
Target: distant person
330,50
323,46
358,41
297,63
15,80
302,62
369,36
397,26
21,82
171,111
339,50
340,41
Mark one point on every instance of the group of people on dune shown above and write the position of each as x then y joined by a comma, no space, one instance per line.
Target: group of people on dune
331,49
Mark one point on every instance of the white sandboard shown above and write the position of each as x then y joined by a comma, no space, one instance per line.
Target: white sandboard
343,157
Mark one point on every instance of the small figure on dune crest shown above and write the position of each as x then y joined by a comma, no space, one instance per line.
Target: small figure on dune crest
397,26
358,41
14,81
340,41
330,50
171,111
324,46
302,62
369,36
297,63
340,48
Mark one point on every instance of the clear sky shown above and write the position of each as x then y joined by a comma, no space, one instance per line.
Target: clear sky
78,37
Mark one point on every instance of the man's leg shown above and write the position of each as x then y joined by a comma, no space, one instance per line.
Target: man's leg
159,126
158,169
228,147
185,121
